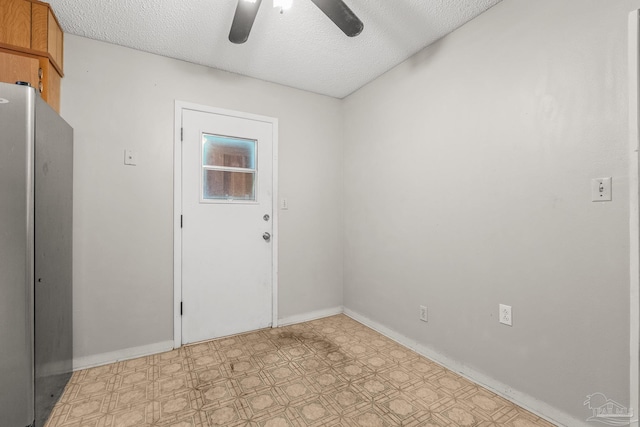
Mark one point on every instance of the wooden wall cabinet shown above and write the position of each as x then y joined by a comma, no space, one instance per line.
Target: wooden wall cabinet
30,34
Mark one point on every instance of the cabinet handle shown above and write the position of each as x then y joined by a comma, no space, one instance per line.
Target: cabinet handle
40,86
40,73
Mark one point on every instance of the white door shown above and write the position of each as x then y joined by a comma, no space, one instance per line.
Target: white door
227,187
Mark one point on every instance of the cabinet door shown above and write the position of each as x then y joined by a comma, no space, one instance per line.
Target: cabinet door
15,23
46,35
39,27
55,39
14,67
37,70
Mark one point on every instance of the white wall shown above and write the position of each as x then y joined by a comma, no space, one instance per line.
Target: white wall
117,98
464,181
467,174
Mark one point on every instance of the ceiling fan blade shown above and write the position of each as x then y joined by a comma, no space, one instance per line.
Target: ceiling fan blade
341,15
246,12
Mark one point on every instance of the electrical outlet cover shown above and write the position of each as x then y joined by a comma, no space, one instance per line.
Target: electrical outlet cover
601,189
130,157
505,315
423,313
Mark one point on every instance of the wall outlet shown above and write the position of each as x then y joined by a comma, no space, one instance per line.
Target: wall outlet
423,313
284,204
505,315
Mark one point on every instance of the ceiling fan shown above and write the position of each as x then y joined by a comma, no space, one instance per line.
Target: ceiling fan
335,10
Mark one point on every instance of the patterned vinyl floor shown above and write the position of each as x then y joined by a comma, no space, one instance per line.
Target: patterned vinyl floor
328,372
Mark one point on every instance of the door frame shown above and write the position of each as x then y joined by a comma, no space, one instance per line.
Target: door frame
180,106
634,212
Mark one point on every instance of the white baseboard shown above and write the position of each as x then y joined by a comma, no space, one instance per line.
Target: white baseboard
116,356
145,350
312,315
523,400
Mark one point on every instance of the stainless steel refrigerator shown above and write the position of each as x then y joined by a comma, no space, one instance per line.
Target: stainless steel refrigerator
36,162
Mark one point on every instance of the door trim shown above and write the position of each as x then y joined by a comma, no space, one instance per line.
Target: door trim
634,214
180,106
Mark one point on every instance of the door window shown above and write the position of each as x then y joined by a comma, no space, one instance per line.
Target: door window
228,169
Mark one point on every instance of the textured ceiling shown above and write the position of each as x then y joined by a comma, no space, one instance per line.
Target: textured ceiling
301,48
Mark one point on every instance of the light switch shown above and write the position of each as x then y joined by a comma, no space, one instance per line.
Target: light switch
130,157
601,189
284,204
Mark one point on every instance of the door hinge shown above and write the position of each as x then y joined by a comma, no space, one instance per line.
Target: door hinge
180,308
181,134
180,221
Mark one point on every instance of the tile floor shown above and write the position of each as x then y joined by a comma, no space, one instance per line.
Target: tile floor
328,372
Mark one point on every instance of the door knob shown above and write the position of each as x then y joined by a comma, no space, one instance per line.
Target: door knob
266,236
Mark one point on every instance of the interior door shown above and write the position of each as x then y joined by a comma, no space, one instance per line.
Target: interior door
227,186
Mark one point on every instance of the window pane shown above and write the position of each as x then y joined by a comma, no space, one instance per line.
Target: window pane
228,152
223,185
